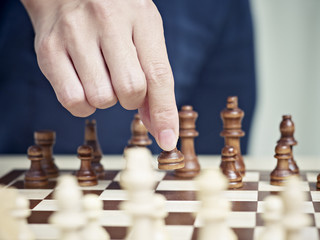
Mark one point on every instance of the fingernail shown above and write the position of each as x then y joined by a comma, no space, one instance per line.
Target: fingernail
167,140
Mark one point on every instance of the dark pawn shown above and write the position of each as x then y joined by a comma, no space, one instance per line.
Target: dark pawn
232,117
46,139
139,133
86,175
187,133
170,160
91,139
35,177
282,172
287,131
228,167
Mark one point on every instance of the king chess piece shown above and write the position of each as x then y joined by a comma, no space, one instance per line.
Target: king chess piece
187,133
287,132
232,117
91,139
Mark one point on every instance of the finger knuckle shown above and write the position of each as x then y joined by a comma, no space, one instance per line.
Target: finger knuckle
102,100
162,114
70,101
159,73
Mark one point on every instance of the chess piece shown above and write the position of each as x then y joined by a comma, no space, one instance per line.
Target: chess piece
159,214
46,139
295,219
91,139
93,208
187,134
139,179
232,118
20,213
35,177
318,181
273,216
69,218
228,167
214,207
86,175
139,133
287,131
282,172
170,160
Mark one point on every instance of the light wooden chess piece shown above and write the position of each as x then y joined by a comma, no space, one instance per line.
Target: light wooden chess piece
214,208
159,214
232,117
93,208
295,219
187,133
273,219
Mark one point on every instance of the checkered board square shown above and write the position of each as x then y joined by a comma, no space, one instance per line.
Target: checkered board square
182,222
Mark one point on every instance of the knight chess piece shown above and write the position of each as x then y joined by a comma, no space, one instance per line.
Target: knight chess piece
287,132
91,139
228,168
187,133
35,177
232,117
46,139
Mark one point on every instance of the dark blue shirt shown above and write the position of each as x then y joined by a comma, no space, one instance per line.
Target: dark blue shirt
210,47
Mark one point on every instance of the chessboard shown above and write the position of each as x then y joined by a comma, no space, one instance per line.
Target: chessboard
182,222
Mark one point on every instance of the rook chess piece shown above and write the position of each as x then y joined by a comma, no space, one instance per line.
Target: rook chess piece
46,139
91,139
282,172
228,168
287,131
170,160
86,175
232,117
35,177
187,134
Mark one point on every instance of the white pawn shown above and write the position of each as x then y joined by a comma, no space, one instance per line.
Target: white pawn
69,218
273,216
160,214
214,208
295,220
93,230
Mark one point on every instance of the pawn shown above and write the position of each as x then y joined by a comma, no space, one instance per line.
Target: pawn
282,172
93,208
170,160
20,213
228,167
160,214
35,177
273,216
139,133
287,131
86,175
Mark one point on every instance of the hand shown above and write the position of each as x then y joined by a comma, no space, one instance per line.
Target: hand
96,52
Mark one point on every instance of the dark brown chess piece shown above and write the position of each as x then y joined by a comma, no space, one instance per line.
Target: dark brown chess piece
282,172
228,167
170,160
46,139
187,134
287,131
91,139
86,175
318,181
139,133
232,118
35,177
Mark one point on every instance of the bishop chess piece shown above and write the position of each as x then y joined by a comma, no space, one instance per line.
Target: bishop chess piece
232,132
91,139
139,133
228,167
86,175
282,172
214,207
46,139
170,160
287,131
187,134
35,177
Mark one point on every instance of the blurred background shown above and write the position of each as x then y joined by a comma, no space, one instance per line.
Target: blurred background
287,49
